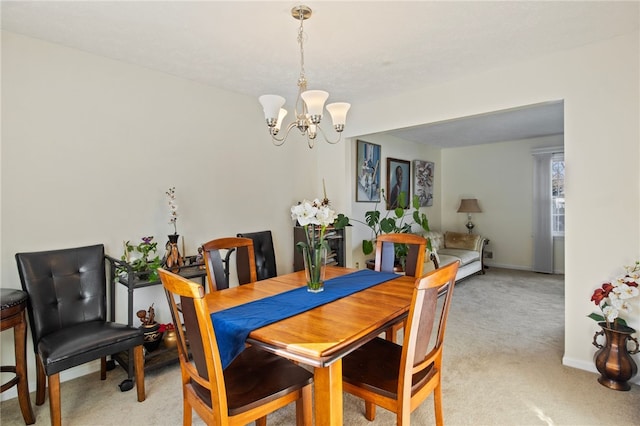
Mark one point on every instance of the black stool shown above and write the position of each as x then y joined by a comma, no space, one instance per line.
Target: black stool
12,315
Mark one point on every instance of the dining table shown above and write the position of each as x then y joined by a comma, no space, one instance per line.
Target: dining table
322,336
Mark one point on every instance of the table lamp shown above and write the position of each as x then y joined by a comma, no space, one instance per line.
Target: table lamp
468,206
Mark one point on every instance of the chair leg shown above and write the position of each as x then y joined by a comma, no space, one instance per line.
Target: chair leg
54,399
103,368
437,401
20,339
391,333
262,421
304,408
138,356
187,412
41,381
369,411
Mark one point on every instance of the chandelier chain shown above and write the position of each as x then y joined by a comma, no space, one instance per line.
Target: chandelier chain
301,43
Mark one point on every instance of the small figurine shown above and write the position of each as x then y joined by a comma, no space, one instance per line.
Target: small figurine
200,258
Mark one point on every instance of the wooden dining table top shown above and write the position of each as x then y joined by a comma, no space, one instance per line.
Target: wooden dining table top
321,335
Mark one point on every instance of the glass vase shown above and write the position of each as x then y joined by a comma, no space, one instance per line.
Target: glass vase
315,259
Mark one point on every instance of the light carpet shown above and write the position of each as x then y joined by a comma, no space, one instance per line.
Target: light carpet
502,366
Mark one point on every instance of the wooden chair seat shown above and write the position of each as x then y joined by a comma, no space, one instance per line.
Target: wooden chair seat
376,366
255,378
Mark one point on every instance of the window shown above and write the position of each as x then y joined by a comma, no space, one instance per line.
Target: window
557,194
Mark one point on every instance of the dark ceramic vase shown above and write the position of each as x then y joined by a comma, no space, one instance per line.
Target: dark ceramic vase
152,336
613,359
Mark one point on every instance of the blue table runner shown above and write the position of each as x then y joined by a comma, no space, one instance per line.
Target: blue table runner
233,325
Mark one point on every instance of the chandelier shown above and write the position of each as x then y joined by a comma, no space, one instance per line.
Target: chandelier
309,103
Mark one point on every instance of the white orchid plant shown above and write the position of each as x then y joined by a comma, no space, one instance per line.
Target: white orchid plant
614,297
311,215
173,208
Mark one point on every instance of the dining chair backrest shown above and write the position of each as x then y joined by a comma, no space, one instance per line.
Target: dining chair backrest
264,253
53,279
253,385
421,347
385,252
193,325
421,361
218,270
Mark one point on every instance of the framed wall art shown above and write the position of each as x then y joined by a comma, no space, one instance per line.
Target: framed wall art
367,172
423,173
398,182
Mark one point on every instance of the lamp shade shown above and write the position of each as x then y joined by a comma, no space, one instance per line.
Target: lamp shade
271,105
338,111
315,99
469,205
281,115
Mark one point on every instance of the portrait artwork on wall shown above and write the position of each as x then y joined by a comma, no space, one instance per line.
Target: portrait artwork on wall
423,184
398,182
367,172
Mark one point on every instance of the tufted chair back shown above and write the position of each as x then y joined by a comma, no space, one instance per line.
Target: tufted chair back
66,287
264,253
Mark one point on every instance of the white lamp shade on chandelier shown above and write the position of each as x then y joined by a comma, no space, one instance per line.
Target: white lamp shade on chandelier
308,120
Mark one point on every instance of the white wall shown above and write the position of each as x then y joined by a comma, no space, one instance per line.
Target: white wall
90,145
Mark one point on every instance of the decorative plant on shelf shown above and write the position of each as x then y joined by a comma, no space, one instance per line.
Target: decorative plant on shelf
143,264
397,220
614,297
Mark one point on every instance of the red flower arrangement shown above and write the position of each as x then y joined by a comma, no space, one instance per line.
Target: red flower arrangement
166,327
613,297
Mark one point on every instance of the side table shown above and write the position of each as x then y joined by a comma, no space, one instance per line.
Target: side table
13,303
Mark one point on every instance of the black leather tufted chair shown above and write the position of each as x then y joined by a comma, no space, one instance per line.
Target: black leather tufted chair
68,318
264,253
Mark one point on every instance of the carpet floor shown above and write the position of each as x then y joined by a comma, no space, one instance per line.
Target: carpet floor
502,366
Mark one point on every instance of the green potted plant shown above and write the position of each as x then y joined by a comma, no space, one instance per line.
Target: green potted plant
397,220
144,266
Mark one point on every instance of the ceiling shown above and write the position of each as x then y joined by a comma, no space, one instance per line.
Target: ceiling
356,50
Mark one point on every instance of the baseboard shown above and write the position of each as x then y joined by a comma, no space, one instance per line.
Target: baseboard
590,366
505,266
516,267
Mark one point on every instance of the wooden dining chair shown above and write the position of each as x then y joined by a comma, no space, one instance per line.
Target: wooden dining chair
256,382
385,262
217,265
400,378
